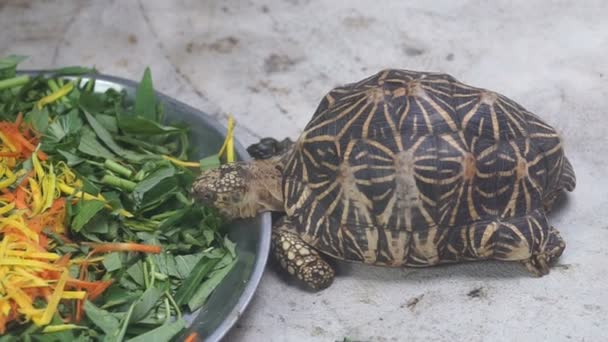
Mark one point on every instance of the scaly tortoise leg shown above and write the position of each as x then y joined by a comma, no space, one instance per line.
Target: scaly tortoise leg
300,259
529,239
268,148
547,252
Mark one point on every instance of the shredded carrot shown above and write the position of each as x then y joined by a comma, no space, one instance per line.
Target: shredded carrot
99,289
193,337
125,247
29,268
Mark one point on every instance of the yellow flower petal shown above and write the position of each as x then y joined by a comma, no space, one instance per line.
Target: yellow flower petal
228,146
61,92
51,307
5,209
36,197
74,294
16,222
7,142
28,263
181,162
61,327
34,255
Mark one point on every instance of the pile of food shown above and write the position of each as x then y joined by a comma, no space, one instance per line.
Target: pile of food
99,238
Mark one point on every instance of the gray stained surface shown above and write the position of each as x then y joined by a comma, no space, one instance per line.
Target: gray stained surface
270,62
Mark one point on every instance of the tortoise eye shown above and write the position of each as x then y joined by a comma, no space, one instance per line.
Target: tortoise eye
208,196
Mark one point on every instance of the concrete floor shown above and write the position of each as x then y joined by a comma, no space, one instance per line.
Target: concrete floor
269,63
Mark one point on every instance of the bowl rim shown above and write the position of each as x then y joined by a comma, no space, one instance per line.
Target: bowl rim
263,247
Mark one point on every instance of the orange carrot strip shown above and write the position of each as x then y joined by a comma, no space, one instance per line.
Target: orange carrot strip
8,196
18,138
9,154
42,155
82,284
101,287
19,119
193,337
80,302
125,247
64,261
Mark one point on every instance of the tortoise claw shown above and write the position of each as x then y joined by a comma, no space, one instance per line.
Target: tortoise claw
538,265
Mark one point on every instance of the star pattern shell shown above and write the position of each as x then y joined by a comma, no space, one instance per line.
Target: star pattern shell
414,168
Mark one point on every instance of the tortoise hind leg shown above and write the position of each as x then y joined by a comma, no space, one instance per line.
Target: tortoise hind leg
546,253
300,259
529,239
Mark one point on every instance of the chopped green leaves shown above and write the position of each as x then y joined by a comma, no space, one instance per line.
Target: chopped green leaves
192,282
210,162
101,318
8,66
145,100
122,157
163,333
87,210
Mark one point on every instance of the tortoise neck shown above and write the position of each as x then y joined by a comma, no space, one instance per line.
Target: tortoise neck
266,184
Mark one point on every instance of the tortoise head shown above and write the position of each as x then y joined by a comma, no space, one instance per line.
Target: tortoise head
237,190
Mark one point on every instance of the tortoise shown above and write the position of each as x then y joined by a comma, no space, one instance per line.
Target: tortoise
403,169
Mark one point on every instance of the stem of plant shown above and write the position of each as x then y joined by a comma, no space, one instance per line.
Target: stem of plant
14,82
182,198
89,85
152,271
172,300
167,310
118,182
53,85
114,166
146,280
55,88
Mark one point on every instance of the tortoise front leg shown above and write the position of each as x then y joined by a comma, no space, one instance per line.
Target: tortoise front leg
300,259
269,147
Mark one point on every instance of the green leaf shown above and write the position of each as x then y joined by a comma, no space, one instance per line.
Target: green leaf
230,246
99,224
136,272
163,333
89,145
73,71
101,318
88,209
140,125
145,100
200,296
165,263
107,139
71,158
39,119
8,338
63,126
192,282
146,302
152,181
91,102
108,122
210,162
119,335
185,264
112,262
116,295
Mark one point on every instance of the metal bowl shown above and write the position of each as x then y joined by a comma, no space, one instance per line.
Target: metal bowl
252,236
